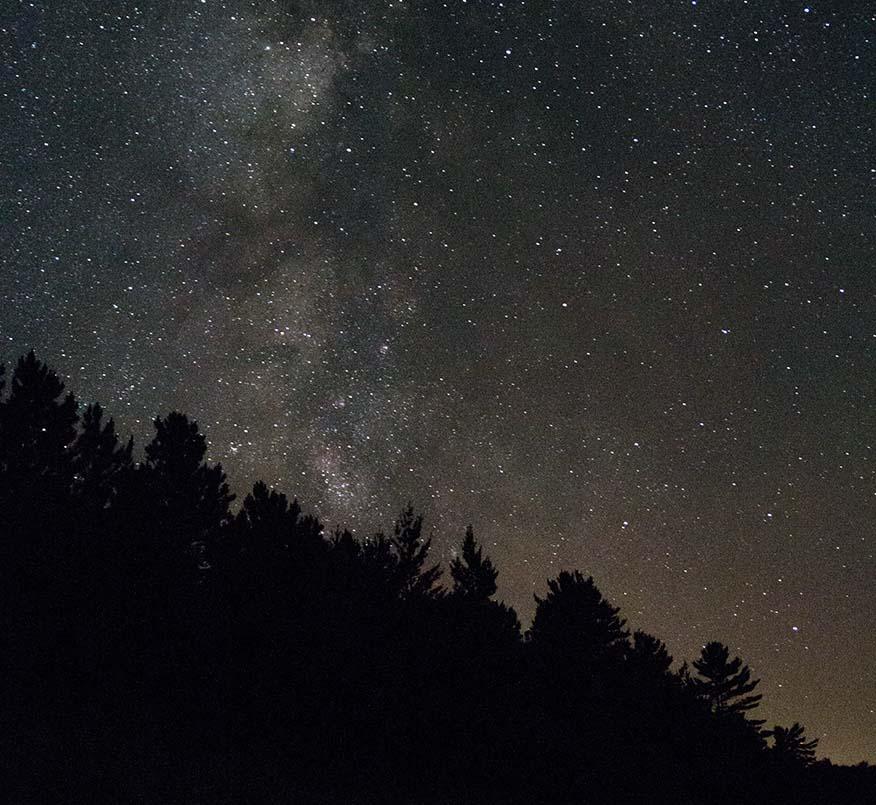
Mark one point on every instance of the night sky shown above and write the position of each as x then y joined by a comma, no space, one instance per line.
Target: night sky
596,277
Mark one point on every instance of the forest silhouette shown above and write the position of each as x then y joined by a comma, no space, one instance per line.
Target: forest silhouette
160,645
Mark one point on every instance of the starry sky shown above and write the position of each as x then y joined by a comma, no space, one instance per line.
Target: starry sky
597,278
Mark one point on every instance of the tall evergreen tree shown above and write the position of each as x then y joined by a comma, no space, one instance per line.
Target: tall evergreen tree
98,459
270,539
190,496
647,656
724,683
790,745
575,620
474,577
411,551
37,428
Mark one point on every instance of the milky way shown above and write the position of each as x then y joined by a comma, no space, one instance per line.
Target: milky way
594,277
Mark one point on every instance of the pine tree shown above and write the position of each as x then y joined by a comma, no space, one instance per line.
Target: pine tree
39,556
647,656
98,459
790,744
190,496
725,684
269,528
411,552
474,577
37,428
576,621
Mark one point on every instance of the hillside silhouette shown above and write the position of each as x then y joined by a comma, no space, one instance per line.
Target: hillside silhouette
159,645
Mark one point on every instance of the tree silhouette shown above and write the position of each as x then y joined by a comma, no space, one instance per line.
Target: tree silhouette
648,657
98,459
790,745
724,683
269,527
37,428
157,646
474,576
412,550
189,497
574,619
39,585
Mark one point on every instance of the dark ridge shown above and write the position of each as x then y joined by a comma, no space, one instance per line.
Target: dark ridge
158,647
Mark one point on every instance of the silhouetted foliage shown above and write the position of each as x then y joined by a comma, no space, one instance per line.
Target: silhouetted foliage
411,551
724,683
98,459
474,576
158,646
790,744
189,496
576,621
37,428
648,657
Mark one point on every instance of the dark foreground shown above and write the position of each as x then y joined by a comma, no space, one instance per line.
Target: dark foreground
158,648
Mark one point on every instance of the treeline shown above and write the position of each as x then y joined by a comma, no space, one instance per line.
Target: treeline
158,646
